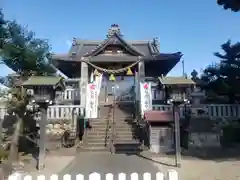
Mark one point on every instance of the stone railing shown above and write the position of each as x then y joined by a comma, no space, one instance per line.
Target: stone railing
63,111
213,111
55,112
70,94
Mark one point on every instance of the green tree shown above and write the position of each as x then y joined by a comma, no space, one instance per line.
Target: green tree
26,55
222,78
233,5
3,31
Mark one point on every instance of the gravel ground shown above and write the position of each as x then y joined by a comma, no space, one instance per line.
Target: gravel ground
195,169
204,165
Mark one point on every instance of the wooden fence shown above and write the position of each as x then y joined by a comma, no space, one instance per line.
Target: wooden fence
212,111
170,175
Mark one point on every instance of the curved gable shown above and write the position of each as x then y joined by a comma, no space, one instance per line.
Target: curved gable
115,39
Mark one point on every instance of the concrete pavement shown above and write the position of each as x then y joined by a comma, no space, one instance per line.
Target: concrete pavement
103,162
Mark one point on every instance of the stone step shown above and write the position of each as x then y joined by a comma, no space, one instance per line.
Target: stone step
92,149
92,141
129,138
115,117
127,147
102,137
99,136
126,141
109,127
96,144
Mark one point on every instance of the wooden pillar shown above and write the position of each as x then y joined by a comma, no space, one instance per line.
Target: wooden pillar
141,70
140,79
83,83
43,137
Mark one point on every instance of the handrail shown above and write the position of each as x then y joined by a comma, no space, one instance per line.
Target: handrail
113,128
107,127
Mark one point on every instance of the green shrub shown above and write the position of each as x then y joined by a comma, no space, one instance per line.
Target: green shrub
230,134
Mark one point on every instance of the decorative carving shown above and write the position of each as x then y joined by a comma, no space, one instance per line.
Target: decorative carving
156,42
114,29
74,41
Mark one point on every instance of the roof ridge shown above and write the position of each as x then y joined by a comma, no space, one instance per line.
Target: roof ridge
85,41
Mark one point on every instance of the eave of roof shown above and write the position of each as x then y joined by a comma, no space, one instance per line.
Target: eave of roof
159,57
42,80
164,56
168,80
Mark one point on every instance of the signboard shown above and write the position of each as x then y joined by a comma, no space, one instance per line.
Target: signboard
92,101
146,97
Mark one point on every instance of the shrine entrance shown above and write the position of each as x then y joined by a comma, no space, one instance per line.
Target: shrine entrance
118,83
121,89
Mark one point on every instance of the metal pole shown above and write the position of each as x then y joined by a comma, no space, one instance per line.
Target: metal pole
1,130
183,68
177,135
42,141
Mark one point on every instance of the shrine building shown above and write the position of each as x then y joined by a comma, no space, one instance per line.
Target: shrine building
115,57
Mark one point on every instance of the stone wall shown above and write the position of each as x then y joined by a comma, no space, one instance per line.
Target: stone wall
57,128
54,131
204,139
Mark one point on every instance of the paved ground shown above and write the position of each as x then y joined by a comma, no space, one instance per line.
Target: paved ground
86,163
192,168
196,169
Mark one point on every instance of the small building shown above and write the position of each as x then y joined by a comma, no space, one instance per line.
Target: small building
44,88
161,123
166,86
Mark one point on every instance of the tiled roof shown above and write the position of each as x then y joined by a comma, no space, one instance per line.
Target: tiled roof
109,58
114,39
42,80
83,47
167,80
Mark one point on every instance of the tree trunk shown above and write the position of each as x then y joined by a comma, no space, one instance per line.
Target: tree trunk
13,154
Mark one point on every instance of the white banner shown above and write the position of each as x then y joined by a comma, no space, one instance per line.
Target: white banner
146,97
92,101
98,82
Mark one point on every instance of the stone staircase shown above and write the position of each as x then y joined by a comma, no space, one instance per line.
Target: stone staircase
97,138
125,131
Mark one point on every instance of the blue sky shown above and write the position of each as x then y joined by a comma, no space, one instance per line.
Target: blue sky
196,28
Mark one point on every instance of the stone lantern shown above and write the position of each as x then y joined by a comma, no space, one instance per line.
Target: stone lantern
178,91
43,90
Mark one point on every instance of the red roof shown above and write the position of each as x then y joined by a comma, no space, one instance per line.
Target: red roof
158,116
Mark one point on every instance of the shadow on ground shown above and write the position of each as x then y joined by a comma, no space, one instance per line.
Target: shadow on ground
214,154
